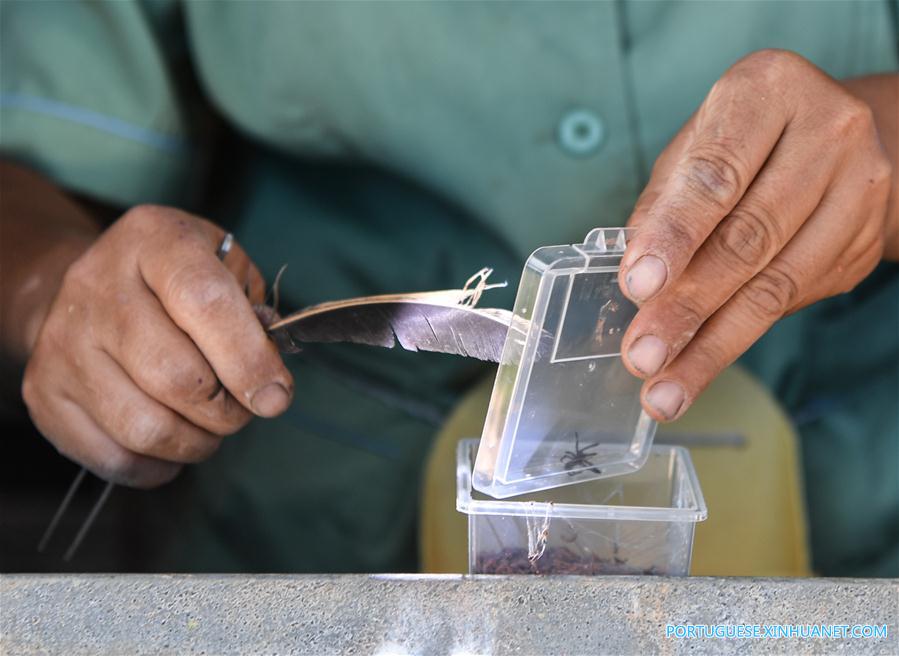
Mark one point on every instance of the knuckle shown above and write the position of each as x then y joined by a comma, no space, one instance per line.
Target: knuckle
713,174
145,431
680,235
29,389
646,200
871,236
855,117
869,261
847,285
197,449
229,416
78,274
765,69
771,293
39,385
215,410
874,255
767,73
131,470
689,315
180,377
708,357
656,169
121,466
161,474
860,264
881,171
750,235
140,215
194,288
775,59
157,224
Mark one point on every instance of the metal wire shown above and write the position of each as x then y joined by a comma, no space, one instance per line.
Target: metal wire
67,499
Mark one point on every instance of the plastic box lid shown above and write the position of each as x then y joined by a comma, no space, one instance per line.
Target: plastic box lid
564,409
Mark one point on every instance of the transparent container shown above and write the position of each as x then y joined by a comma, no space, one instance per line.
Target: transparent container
564,408
641,523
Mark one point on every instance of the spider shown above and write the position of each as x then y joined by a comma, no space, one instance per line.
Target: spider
580,457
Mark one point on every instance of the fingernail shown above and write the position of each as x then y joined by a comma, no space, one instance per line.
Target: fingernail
271,400
648,354
646,277
666,398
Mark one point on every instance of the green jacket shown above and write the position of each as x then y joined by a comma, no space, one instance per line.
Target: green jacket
380,147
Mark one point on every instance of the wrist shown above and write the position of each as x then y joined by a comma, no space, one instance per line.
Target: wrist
34,288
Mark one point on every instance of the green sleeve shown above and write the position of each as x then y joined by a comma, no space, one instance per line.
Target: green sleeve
88,97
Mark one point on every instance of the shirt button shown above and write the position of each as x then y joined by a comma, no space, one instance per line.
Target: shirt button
580,133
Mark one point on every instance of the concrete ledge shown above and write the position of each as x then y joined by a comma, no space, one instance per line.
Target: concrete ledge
412,614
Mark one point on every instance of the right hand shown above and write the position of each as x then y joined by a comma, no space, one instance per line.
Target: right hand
124,374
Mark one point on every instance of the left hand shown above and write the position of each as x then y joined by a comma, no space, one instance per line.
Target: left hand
772,196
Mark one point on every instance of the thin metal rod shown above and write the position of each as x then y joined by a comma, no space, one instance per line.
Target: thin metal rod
51,528
85,527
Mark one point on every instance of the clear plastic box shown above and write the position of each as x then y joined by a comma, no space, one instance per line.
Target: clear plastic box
641,523
564,408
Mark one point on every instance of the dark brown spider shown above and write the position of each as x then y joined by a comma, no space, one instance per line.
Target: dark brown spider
580,457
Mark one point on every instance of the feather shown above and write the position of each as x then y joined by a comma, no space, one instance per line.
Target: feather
418,325
441,321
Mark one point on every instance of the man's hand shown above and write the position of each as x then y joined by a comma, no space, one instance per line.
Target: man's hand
774,195
151,351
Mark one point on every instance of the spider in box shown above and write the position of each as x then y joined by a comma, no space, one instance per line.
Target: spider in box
580,457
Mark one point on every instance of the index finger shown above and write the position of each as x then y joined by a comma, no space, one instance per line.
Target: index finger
731,136
203,299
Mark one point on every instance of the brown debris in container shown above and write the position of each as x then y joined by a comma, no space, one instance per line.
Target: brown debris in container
555,560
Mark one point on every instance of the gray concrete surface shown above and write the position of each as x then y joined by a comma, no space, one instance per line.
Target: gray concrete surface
410,614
